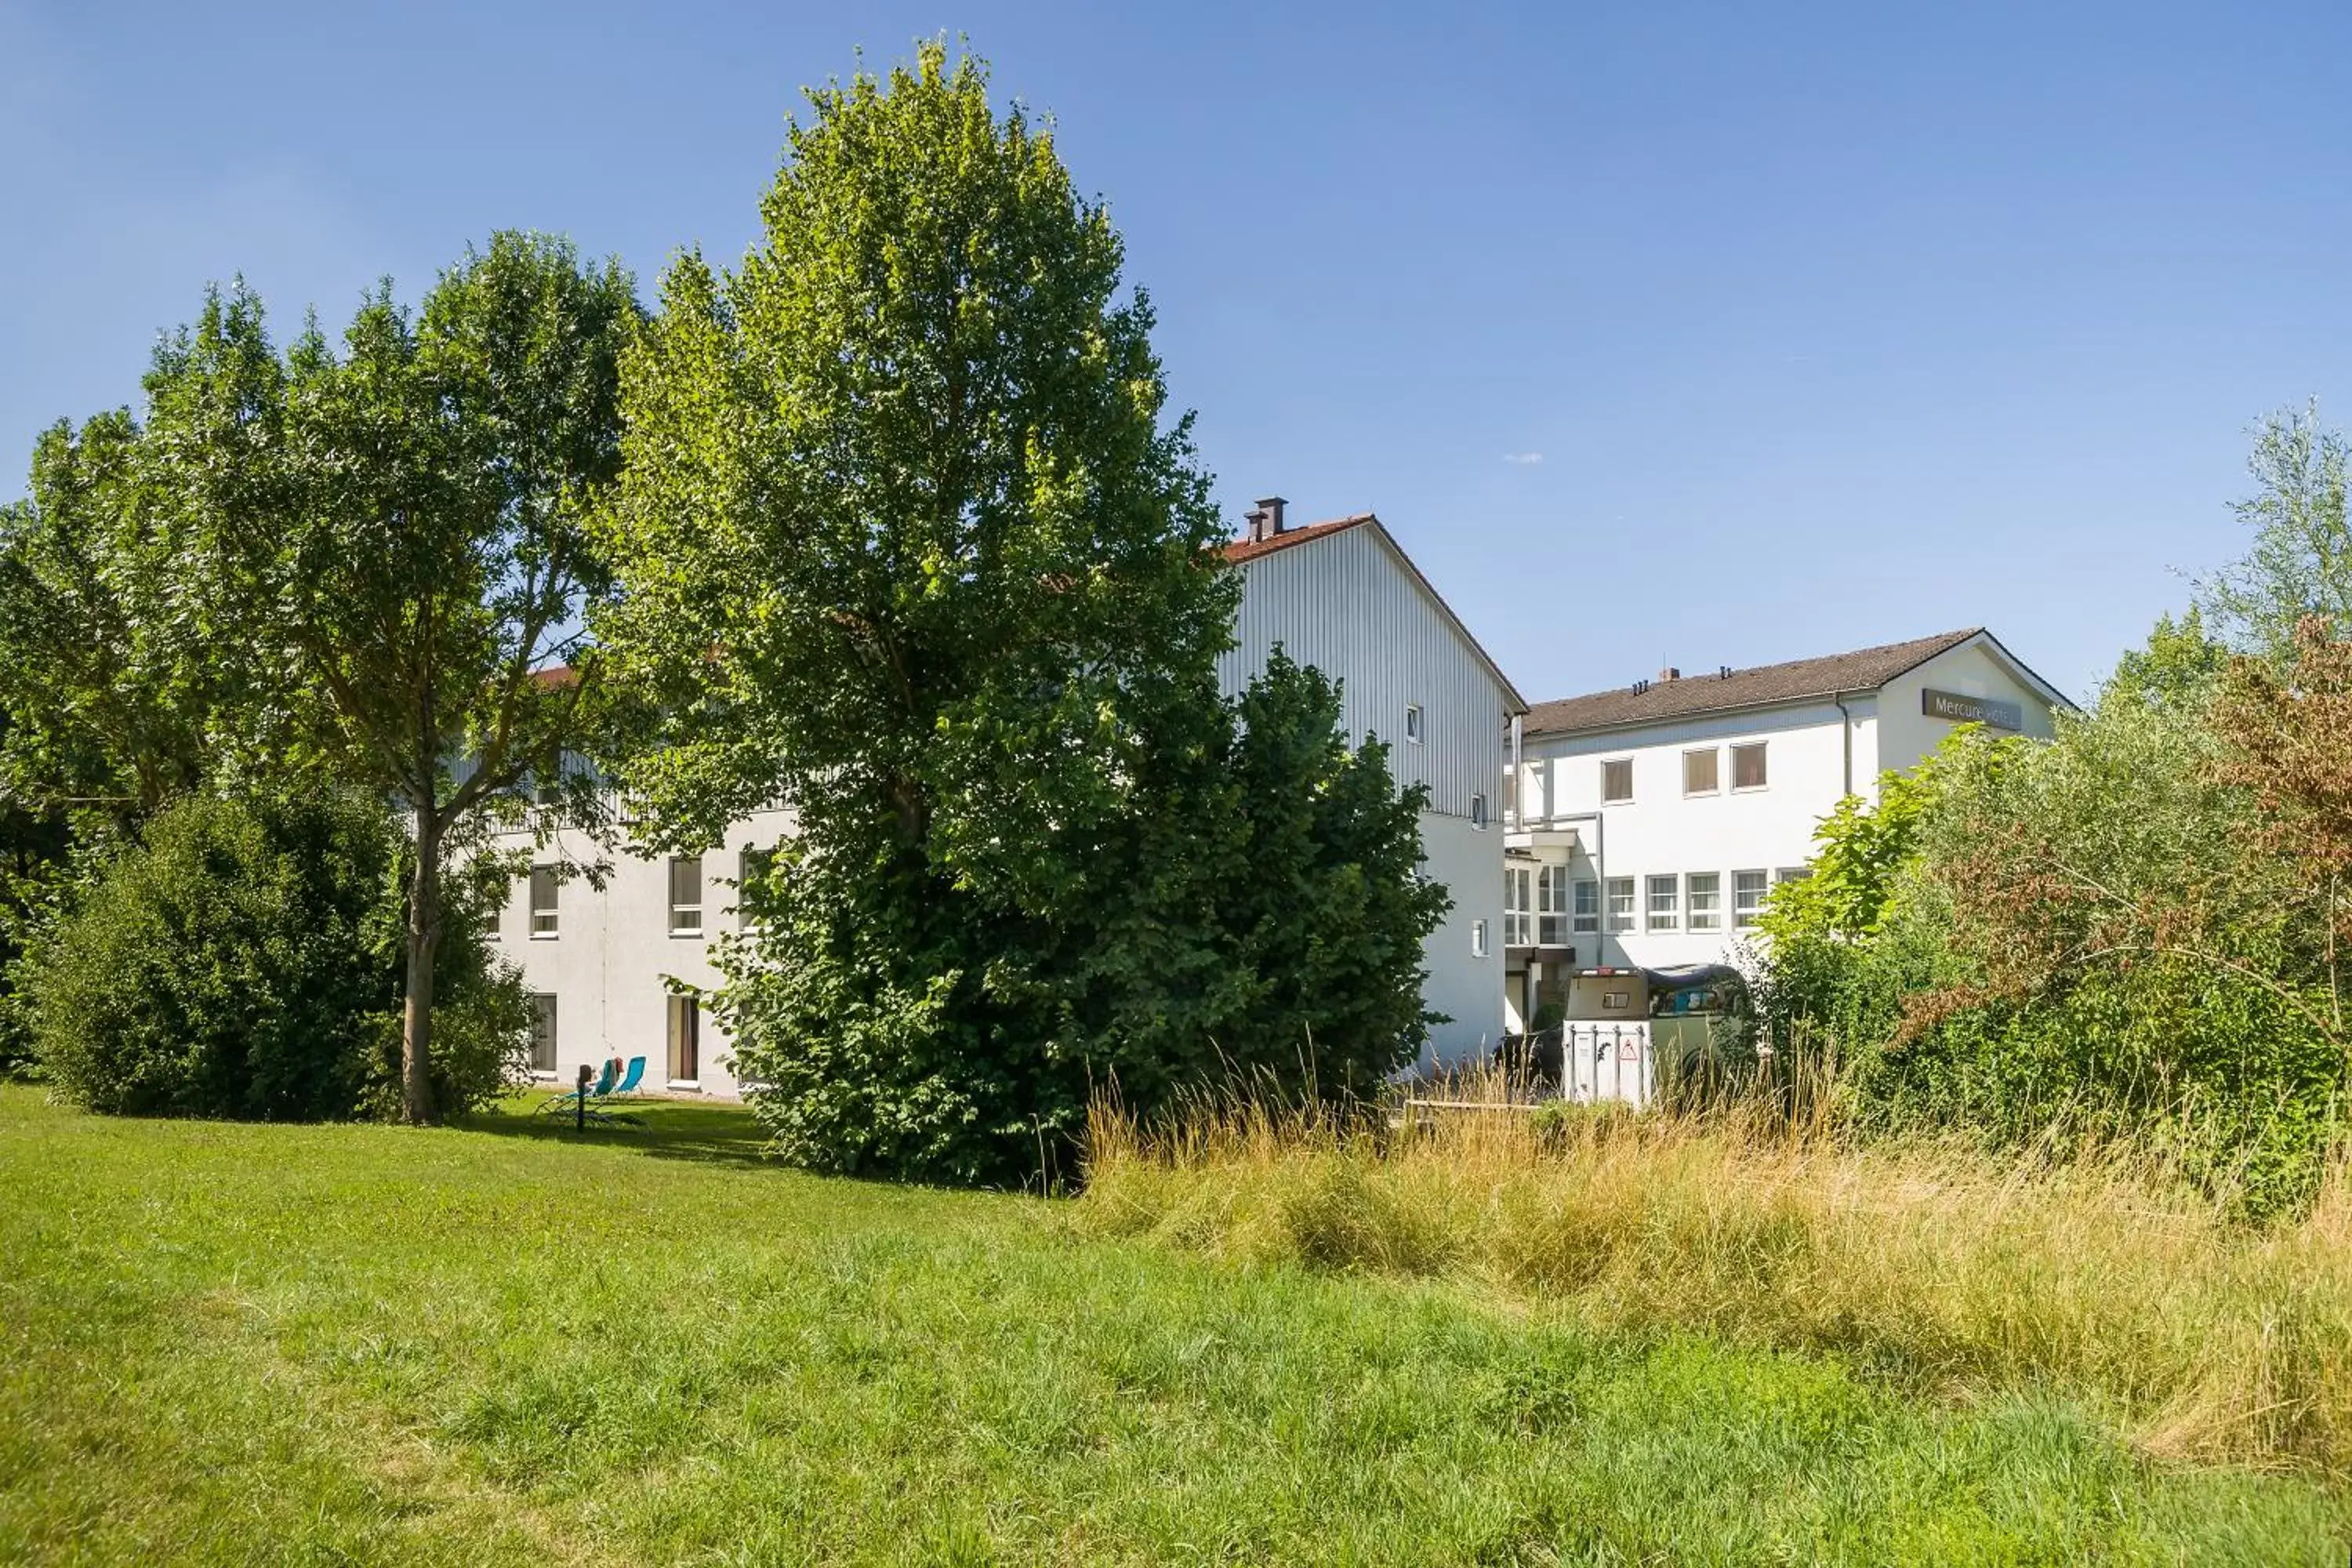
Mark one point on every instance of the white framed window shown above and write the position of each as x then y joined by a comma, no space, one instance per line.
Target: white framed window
1747,890
1703,900
1552,906
1702,771
1412,725
543,901
1477,938
1791,874
1748,771
1517,917
684,1041
1616,780
1621,904
685,895
1588,906
1477,811
1663,912
543,1033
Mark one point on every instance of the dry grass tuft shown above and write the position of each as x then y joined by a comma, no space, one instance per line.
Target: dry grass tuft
2200,1336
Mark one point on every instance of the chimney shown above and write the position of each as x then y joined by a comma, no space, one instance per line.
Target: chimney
1253,526
1670,673
1270,508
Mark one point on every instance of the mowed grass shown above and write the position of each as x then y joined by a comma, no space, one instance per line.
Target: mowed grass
227,1344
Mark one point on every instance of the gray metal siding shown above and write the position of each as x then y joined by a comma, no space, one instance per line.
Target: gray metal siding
1349,606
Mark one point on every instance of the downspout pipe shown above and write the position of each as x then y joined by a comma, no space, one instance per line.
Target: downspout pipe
1845,733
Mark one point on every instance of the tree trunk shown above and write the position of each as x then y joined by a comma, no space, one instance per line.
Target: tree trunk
423,938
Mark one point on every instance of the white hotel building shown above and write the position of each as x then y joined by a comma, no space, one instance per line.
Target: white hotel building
1646,822
1340,596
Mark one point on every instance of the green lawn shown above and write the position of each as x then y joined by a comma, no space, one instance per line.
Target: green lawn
500,1344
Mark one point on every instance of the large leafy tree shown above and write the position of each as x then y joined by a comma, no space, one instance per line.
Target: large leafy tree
383,541
908,541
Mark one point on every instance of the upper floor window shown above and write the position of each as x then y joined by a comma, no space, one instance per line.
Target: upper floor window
685,895
1477,938
1588,906
1664,913
1477,811
542,900
1747,766
1791,874
1699,772
1617,780
1412,723
1552,906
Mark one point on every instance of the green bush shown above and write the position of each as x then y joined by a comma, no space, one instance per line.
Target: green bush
244,960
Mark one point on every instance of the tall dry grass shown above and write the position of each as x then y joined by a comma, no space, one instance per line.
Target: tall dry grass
2197,1335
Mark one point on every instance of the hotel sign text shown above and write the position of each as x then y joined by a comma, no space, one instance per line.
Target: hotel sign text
1960,710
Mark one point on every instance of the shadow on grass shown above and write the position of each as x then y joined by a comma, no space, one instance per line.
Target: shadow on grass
710,1134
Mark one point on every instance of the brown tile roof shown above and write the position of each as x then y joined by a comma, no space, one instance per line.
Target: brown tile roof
1242,549
1864,669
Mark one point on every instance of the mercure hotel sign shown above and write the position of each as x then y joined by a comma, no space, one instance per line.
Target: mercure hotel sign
1988,711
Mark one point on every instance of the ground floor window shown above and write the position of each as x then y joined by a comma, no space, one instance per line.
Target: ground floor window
1621,904
1748,890
1516,914
685,1040
1588,906
1706,901
1552,906
542,1033
1665,904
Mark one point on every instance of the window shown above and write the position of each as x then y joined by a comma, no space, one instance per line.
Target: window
1706,901
1552,906
1699,775
547,788
1747,766
1588,906
1621,904
686,1040
685,895
1665,904
1477,811
1748,890
1477,938
1617,780
1791,874
750,867
1412,723
1516,919
542,900
543,1033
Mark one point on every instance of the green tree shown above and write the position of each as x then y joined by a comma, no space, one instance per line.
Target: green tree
385,543
2300,563
244,958
907,542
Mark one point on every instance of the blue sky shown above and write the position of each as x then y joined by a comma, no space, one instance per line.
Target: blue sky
1656,333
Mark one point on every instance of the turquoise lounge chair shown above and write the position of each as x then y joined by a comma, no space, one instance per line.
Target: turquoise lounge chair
569,1104
628,1087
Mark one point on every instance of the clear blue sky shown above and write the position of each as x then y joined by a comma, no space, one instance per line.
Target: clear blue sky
1654,331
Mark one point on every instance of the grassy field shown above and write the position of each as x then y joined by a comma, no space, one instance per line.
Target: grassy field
502,1343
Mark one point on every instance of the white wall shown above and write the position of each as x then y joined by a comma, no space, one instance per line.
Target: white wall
1663,831
612,950
1349,605
1971,670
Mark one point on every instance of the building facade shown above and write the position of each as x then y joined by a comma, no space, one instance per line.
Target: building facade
1646,825
612,970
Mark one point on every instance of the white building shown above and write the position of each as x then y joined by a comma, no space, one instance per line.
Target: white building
1647,823
1340,596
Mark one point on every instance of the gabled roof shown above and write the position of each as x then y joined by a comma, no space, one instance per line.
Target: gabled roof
1242,551
1768,685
